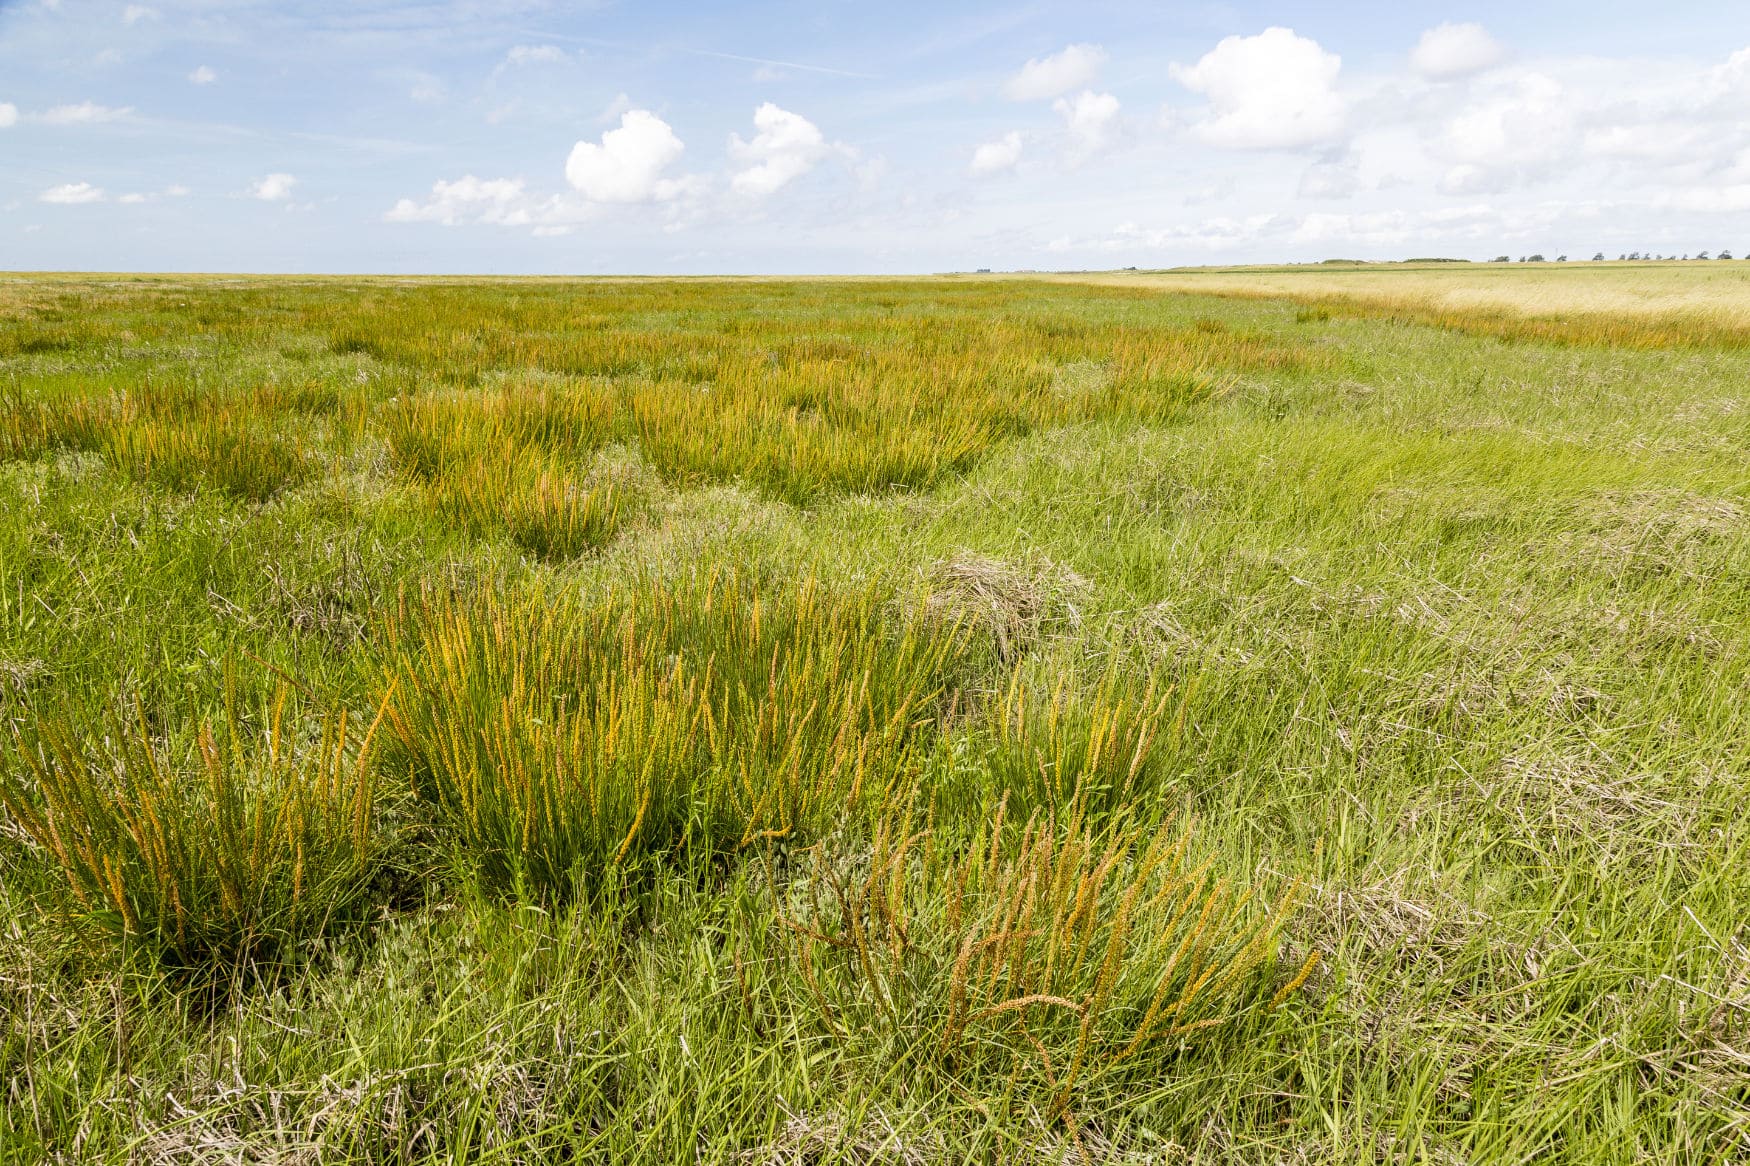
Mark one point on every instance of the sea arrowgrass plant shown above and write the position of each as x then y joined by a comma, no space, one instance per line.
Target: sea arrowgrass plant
544,507
181,435
431,433
229,450
1093,749
32,427
1051,951
559,736
510,461
226,859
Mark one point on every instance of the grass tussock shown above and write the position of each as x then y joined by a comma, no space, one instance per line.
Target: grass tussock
561,738
234,856
174,436
32,427
1053,951
218,451
509,462
544,508
1097,750
432,434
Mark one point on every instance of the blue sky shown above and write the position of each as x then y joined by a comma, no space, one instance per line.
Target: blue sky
526,136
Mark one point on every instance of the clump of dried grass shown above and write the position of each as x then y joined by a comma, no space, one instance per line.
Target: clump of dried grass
1015,605
1655,533
18,676
425,1112
808,1138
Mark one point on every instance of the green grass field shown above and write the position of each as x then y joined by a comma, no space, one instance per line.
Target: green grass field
925,721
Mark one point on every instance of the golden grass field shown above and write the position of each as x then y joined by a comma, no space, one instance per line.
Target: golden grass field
1715,288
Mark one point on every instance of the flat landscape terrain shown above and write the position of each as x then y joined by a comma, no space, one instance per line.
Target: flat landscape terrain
1288,716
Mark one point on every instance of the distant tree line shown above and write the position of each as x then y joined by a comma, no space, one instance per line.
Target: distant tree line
1600,257
1535,257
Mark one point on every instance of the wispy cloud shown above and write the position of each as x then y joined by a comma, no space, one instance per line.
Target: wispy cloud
135,198
1047,77
768,62
536,55
84,113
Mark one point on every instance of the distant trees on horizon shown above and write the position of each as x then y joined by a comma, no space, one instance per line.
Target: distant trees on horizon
1535,257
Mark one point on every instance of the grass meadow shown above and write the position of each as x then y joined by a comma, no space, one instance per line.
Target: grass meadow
933,721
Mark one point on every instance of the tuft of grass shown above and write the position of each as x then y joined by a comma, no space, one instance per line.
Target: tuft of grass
432,434
32,427
219,450
1094,751
545,509
1053,952
228,860
504,462
559,738
172,436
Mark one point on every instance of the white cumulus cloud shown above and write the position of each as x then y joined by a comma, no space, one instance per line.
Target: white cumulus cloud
8,114
628,163
203,76
134,13
72,194
1530,120
1053,76
1449,51
1276,90
276,187
785,147
1092,121
995,157
501,201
